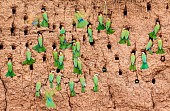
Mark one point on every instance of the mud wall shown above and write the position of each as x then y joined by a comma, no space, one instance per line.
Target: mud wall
117,89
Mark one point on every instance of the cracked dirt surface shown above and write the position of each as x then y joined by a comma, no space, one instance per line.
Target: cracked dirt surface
116,92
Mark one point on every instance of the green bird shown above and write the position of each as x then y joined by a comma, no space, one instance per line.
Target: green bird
83,84
77,66
55,56
51,78
74,50
61,61
81,23
100,25
95,81
58,79
144,61
10,72
109,30
29,59
39,48
49,99
149,46
75,61
122,37
160,49
132,65
155,31
62,31
72,92
77,54
44,22
127,37
38,87
90,33
63,43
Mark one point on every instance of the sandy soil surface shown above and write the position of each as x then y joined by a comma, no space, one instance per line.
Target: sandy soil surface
117,88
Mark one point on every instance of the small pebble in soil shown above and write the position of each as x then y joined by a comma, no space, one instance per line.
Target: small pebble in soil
1,46
136,80
162,58
31,67
104,69
153,81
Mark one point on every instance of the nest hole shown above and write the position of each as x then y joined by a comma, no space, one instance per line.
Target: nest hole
31,67
116,57
54,45
167,6
26,44
54,26
60,26
13,10
157,20
153,81
162,58
12,29
120,72
1,46
26,32
58,70
104,69
148,6
84,38
136,81
74,24
92,43
25,17
44,58
13,47
125,11
109,46
9,58
133,51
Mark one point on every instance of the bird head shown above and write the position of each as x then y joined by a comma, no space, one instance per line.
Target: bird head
96,74
60,53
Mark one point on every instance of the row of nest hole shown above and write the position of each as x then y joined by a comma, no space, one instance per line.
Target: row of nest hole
148,7
54,46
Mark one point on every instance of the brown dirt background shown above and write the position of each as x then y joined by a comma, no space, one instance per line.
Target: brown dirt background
116,92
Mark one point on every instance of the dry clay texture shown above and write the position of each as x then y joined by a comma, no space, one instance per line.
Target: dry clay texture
117,89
